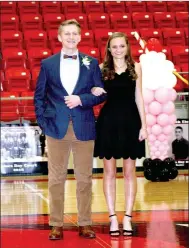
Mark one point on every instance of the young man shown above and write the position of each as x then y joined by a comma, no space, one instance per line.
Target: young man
180,146
64,110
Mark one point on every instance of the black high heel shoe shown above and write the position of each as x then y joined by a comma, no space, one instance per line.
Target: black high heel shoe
115,233
127,232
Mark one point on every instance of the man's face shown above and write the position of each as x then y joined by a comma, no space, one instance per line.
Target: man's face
70,37
178,133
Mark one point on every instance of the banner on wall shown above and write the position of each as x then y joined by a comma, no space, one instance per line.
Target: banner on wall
179,143
23,150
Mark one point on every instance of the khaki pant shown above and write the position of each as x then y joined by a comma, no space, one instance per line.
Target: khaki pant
58,156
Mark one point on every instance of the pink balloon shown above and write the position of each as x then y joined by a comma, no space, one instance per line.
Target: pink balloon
156,143
154,157
161,148
161,137
156,129
150,120
162,95
154,108
151,137
153,149
146,109
165,142
172,119
148,130
168,108
168,129
162,157
163,119
172,95
157,154
148,95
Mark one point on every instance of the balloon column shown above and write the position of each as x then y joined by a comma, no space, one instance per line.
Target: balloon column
159,96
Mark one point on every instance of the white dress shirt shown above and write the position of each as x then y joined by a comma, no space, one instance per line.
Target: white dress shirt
69,72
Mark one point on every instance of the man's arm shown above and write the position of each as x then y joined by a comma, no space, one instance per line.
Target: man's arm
88,99
39,96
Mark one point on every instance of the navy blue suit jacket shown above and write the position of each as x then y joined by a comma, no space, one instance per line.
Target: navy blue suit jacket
52,114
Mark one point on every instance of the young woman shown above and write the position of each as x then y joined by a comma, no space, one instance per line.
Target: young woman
121,126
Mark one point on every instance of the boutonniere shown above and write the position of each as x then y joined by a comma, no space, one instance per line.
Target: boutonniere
86,61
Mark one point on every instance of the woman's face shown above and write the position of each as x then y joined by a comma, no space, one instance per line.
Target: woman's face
118,47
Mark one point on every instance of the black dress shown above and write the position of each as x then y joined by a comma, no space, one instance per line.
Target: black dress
119,123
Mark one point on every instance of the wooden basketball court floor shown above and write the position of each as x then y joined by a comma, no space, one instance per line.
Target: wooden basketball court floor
160,216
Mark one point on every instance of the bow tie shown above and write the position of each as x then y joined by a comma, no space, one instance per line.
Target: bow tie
70,56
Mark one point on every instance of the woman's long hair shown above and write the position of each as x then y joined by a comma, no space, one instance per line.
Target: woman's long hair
108,71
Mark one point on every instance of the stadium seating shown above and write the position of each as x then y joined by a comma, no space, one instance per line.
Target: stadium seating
9,22
11,38
35,38
72,7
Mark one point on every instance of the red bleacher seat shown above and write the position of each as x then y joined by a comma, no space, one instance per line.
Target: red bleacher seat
98,20
156,6
18,79
9,106
80,17
35,55
10,38
180,55
50,7
136,53
168,52
9,22
135,6
2,79
173,36
101,36
182,19
120,20
35,38
56,50
53,40
8,7
34,74
147,33
53,20
142,20
176,6
186,35
27,109
93,7
28,7
91,51
130,34
72,7
87,38
31,21
164,20
13,57
114,6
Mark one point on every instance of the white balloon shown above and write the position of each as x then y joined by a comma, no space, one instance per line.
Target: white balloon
168,65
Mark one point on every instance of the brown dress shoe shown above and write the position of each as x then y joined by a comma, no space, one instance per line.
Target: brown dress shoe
56,233
86,232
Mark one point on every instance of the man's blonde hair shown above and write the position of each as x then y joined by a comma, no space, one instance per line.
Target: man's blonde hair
69,22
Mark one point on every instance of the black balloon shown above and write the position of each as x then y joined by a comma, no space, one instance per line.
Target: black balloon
147,162
170,165
173,173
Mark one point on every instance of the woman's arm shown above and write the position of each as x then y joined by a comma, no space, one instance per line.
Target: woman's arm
138,96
